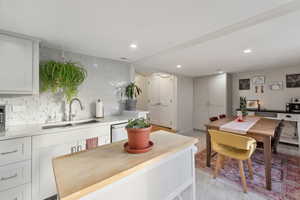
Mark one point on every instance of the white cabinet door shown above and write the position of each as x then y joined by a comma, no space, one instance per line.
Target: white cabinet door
48,146
161,99
44,186
15,150
217,90
19,65
166,101
22,192
154,99
210,99
201,102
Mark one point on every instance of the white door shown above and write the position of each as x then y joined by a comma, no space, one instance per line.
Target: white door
161,99
166,101
16,62
154,99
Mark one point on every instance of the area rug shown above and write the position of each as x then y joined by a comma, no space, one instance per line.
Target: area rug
285,174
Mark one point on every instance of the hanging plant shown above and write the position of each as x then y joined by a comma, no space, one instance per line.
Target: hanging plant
62,76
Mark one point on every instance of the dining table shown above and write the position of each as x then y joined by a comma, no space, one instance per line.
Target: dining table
262,130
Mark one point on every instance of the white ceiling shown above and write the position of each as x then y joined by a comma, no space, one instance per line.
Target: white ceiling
201,35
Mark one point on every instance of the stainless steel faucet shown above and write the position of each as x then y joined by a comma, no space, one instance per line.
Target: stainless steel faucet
71,116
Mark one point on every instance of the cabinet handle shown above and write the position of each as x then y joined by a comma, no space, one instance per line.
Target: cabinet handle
288,116
9,177
9,152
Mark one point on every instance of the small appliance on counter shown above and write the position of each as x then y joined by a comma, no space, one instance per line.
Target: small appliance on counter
293,106
253,105
99,109
2,118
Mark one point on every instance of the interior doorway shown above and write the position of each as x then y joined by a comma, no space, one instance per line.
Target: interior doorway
159,97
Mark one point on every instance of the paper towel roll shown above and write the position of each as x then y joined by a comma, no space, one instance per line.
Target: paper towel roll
99,109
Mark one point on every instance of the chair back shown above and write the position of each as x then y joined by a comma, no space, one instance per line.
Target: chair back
212,119
278,132
231,140
222,116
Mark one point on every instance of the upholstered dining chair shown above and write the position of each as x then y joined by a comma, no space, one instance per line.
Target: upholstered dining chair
233,146
212,119
222,116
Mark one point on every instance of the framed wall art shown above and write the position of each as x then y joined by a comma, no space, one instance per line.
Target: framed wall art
244,84
258,80
276,85
293,80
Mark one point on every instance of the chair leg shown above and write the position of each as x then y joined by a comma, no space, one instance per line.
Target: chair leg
218,164
250,168
242,174
223,159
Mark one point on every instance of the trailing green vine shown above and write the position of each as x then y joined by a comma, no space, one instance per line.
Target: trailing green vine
62,76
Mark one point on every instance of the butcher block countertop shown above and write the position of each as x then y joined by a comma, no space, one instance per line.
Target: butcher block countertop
84,172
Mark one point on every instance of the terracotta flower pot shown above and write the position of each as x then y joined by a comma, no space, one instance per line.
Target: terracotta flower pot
138,138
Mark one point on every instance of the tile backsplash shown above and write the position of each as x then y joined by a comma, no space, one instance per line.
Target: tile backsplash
104,76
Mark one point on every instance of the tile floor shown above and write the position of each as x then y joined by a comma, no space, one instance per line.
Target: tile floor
208,188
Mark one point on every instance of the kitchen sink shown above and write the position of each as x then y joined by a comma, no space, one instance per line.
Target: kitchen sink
91,121
70,124
50,126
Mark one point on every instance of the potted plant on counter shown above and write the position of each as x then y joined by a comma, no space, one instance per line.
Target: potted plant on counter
131,92
243,106
138,131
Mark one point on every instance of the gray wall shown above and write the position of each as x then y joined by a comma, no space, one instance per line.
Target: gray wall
103,74
269,99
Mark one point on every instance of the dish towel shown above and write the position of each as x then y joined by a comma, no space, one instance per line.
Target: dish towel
239,127
91,143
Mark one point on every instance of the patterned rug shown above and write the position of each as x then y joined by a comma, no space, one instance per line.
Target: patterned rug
285,174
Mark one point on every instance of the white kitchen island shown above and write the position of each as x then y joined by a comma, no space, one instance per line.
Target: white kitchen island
167,172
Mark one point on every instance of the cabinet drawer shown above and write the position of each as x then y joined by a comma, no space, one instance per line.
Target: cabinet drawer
22,192
15,150
15,174
288,117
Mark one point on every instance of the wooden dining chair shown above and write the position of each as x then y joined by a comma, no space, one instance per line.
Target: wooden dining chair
275,139
233,146
212,119
222,116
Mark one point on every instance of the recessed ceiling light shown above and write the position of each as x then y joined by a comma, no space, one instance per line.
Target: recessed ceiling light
178,66
247,51
133,46
219,71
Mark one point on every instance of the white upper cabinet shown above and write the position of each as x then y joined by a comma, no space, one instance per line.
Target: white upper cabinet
19,65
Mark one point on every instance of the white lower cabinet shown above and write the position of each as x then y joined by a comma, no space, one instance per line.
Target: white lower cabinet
22,192
15,174
46,147
15,150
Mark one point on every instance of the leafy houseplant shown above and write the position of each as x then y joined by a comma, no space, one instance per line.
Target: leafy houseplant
131,92
243,105
138,131
62,76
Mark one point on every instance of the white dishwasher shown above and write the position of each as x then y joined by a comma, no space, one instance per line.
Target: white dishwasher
118,132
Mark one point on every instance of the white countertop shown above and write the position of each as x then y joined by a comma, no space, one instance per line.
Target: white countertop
36,129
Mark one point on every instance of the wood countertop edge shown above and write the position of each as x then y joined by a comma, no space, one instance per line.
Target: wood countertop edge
102,184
